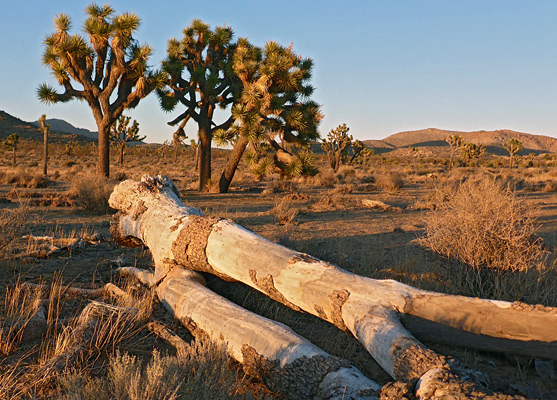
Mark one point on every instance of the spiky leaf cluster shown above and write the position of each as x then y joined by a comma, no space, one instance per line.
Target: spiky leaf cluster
513,146
105,61
12,141
121,132
472,152
200,70
274,106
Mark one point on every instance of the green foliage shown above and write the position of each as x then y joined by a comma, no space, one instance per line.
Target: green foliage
12,141
472,153
336,145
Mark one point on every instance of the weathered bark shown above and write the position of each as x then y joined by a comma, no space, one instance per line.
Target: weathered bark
103,162
370,309
121,154
45,151
285,361
205,138
232,164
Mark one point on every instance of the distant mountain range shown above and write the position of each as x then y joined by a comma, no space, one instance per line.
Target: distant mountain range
493,140
59,125
59,130
401,142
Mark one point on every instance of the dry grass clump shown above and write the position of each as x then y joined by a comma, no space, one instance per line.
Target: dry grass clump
389,181
12,224
22,178
201,372
92,193
492,235
284,211
20,306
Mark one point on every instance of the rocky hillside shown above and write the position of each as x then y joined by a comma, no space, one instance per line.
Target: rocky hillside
62,126
10,124
493,140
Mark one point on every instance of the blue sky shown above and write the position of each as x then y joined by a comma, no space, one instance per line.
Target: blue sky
380,66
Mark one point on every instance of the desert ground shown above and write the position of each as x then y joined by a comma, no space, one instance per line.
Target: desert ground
324,216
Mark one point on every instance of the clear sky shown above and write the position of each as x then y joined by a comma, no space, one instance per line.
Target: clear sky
380,66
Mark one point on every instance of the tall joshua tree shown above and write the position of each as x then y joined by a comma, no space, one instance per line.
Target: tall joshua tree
201,79
455,142
44,128
121,133
273,113
109,67
513,146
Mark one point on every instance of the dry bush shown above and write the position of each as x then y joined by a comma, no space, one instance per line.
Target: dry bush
201,372
12,224
92,193
492,235
284,211
22,178
391,182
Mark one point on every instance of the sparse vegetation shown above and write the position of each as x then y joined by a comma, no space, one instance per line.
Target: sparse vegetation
92,193
492,234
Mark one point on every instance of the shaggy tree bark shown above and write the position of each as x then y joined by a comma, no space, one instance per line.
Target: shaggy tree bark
372,310
285,361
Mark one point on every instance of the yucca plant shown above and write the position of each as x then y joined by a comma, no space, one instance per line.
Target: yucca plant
44,128
274,112
201,79
513,146
455,143
109,67
336,145
121,133
12,141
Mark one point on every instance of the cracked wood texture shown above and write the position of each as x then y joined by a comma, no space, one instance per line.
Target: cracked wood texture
285,361
372,310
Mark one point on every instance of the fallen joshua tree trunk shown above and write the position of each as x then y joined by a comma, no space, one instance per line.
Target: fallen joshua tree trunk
372,310
285,361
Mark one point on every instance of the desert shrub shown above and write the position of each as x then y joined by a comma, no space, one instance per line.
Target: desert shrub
490,234
284,211
22,178
389,181
92,193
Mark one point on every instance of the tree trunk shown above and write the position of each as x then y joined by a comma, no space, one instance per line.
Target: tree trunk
372,310
103,162
14,157
45,151
232,164
266,349
121,154
204,158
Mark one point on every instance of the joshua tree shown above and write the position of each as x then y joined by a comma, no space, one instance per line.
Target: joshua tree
109,67
12,142
337,142
194,144
359,150
472,152
121,133
273,115
513,146
201,79
44,128
455,142
177,139
70,145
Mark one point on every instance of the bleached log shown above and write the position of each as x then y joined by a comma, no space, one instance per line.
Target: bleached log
151,212
285,361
